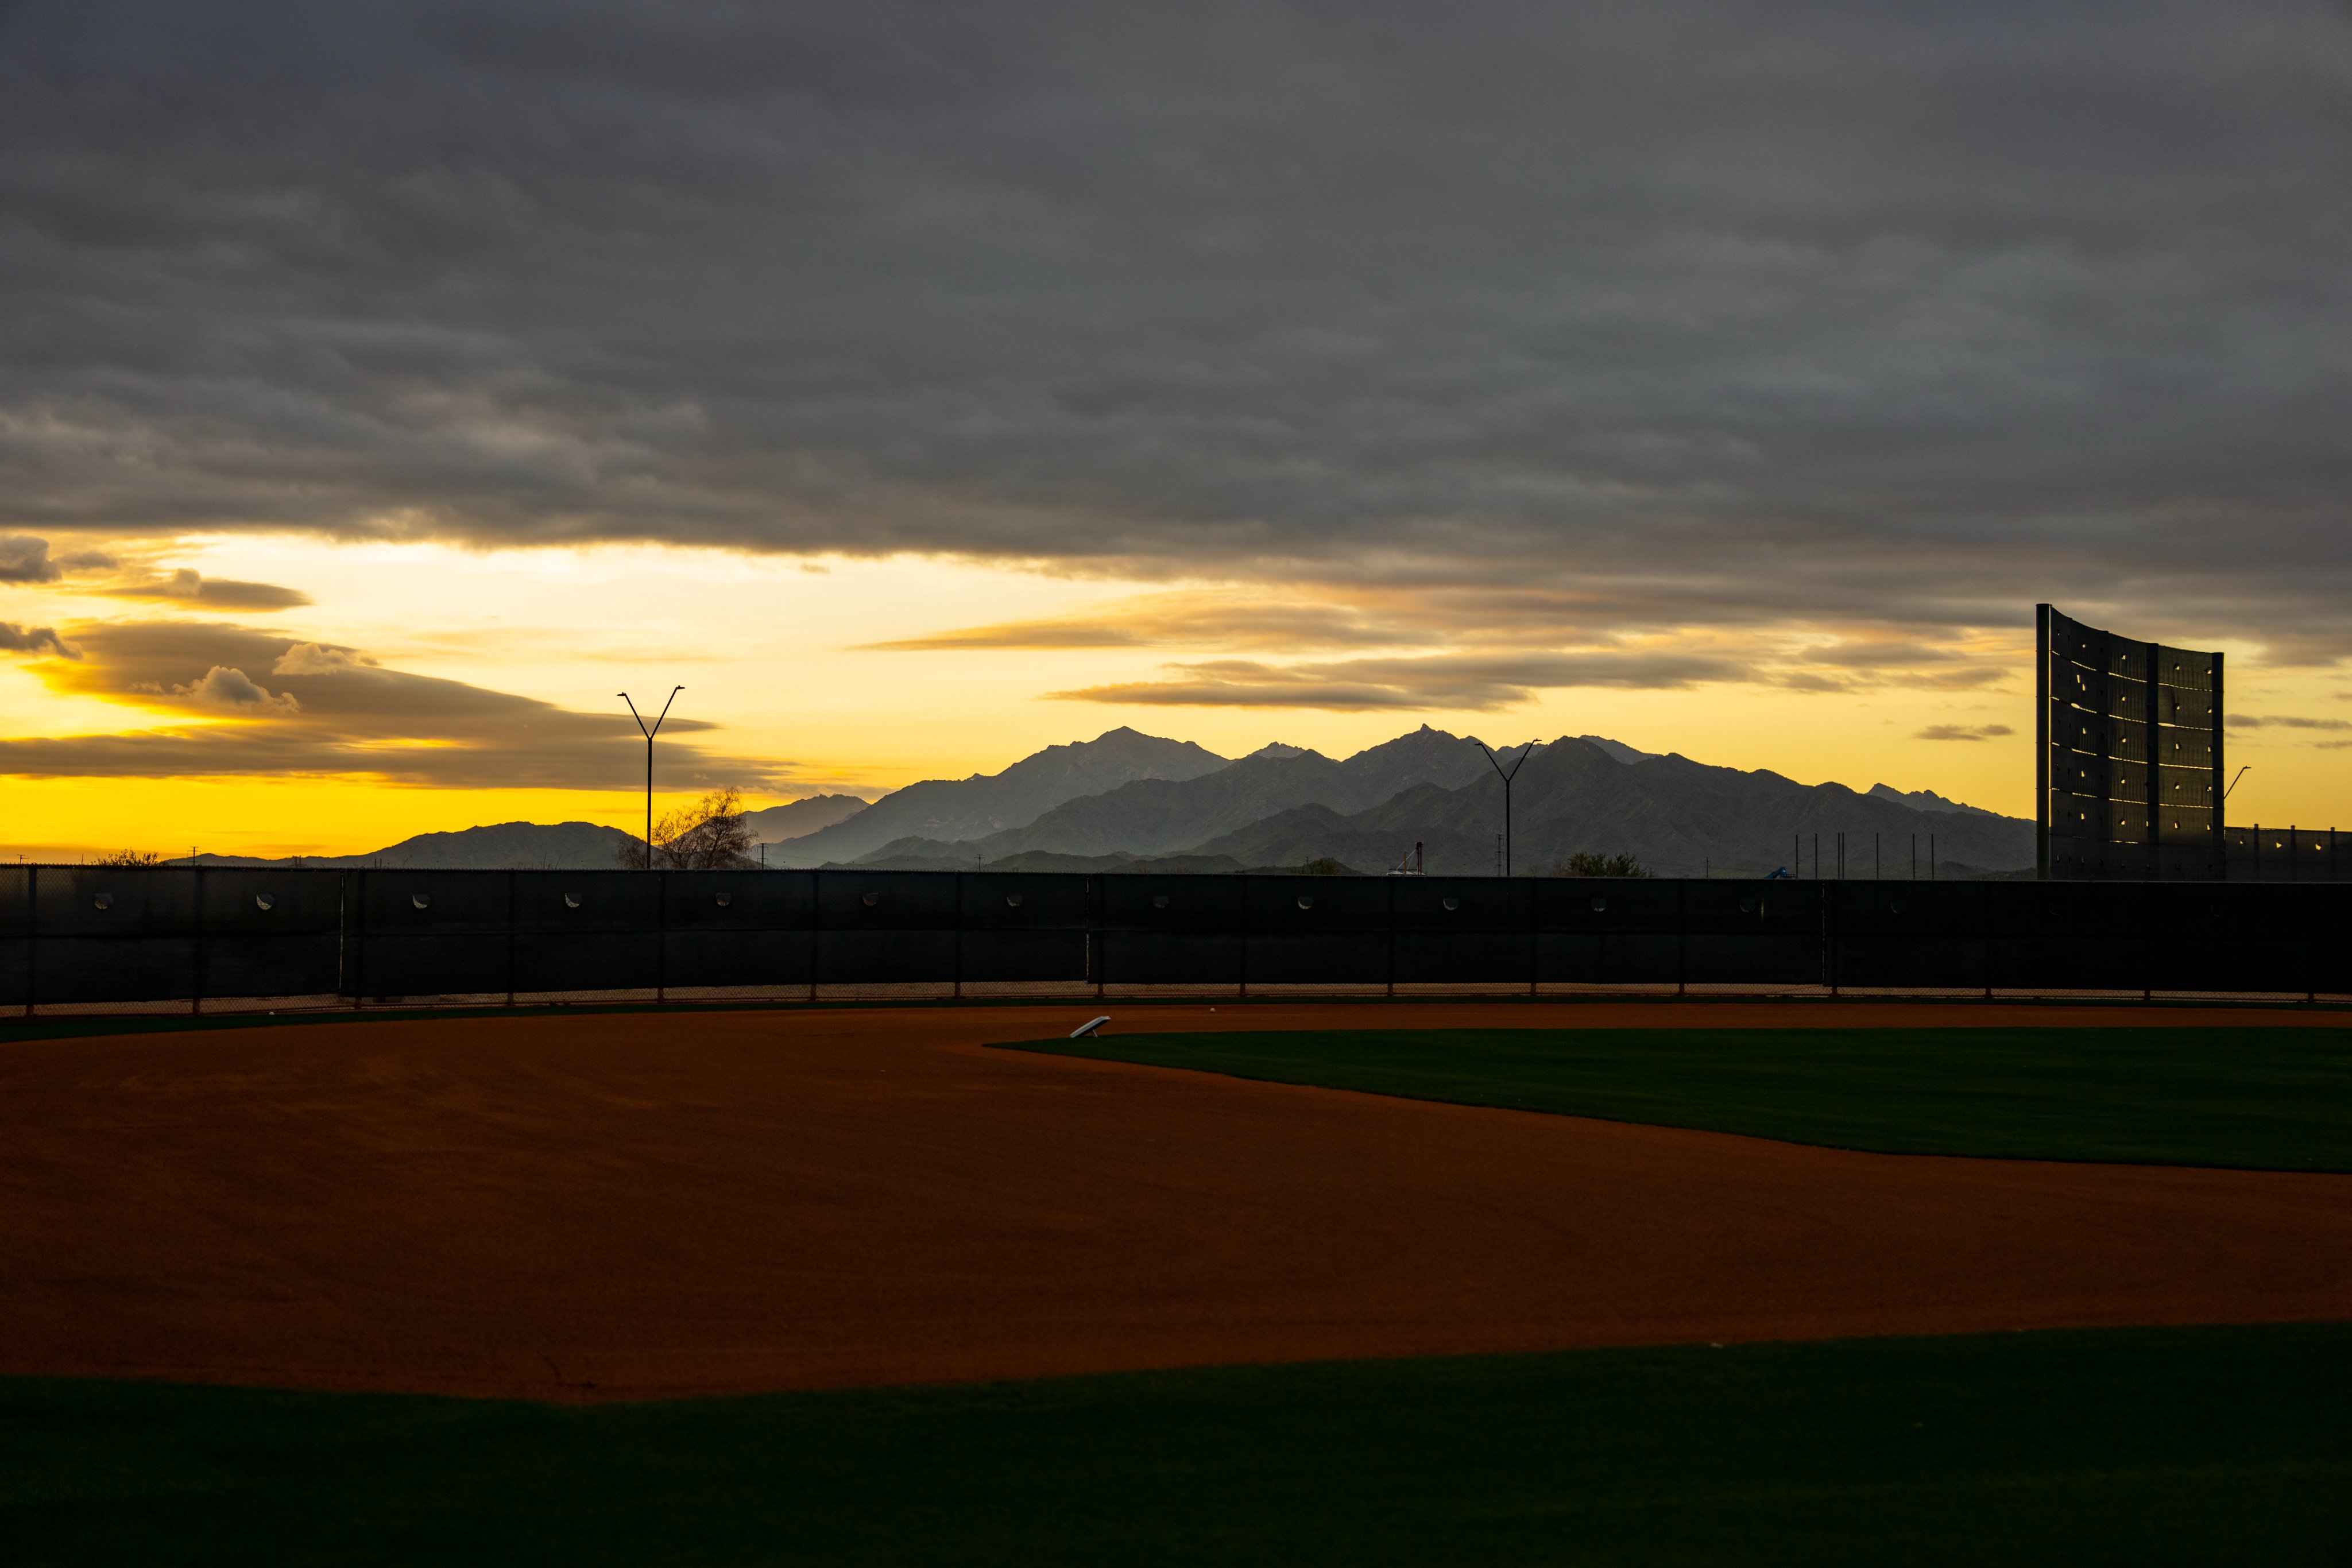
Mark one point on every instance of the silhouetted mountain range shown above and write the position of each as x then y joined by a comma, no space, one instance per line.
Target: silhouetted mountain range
1284,807
506,846
799,819
1132,801
1162,816
1680,818
1926,800
944,810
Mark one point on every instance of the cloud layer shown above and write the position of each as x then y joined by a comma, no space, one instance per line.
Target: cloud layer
212,592
16,639
1696,313
258,702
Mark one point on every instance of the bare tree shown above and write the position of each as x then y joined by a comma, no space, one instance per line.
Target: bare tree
1588,863
709,835
131,858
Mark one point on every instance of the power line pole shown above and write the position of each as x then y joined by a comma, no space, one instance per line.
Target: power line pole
1525,752
649,734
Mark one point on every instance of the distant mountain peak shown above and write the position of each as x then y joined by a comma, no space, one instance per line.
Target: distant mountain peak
798,818
952,810
1277,748
1619,751
1926,800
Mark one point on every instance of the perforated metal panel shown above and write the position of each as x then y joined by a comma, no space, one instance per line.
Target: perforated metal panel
431,933
1171,931
1317,930
737,928
1447,927
15,936
88,936
269,932
1022,928
1909,934
884,927
588,931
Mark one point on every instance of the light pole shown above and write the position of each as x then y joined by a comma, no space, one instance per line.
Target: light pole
649,734
1507,778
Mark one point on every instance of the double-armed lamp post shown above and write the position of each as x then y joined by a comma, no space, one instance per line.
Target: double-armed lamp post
1507,777
649,734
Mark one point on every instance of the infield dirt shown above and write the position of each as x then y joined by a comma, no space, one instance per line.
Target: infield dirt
638,1205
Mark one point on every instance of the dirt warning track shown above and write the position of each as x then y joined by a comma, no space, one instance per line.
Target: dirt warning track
627,1206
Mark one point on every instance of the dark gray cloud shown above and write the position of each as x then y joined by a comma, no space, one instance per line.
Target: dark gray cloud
1963,732
294,707
16,639
1449,682
24,558
213,592
1696,311
234,691
2283,721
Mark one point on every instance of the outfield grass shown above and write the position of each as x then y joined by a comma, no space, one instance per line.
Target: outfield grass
2126,1447
2262,1098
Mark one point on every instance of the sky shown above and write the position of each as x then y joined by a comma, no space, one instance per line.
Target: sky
385,387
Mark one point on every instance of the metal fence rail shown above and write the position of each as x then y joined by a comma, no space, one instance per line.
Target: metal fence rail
86,936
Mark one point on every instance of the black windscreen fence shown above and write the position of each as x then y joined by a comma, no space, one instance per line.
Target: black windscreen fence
88,936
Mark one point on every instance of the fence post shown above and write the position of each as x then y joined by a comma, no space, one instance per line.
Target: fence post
956,893
661,938
1682,937
1242,879
359,939
1534,939
31,935
1987,938
1097,934
1392,967
1829,936
816,913
510,936
196,999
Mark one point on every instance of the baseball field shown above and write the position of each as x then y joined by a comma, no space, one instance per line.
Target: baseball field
1557,1281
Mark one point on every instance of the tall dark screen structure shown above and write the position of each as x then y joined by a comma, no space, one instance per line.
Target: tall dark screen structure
2130,746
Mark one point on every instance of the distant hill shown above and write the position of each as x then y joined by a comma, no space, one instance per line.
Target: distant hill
508,846
1679,817
1162,864
947,811
799,819
1163,816
1619,750
1926,800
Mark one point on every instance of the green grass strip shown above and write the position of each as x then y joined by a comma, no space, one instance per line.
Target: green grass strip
2124,1446
2261,1099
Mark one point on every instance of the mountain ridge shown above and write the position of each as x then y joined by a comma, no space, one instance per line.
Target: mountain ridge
497,846
1286,806
1679,817
950,809
799,819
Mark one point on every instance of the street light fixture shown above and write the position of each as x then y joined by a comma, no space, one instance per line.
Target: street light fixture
1524,753
649,734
